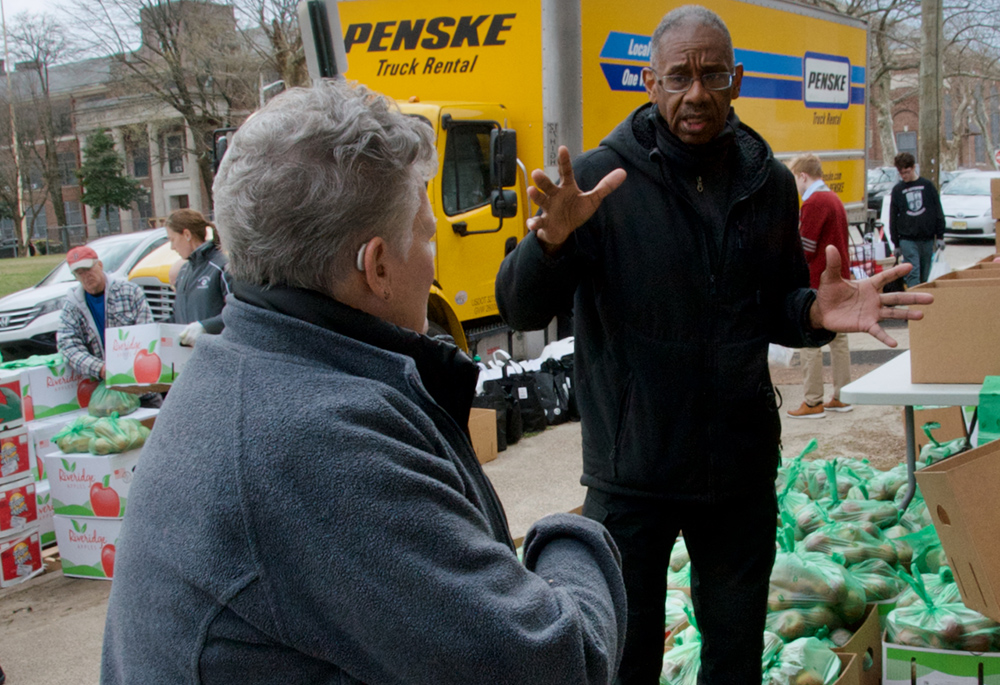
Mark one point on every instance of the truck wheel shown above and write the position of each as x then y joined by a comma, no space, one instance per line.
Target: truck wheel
436,330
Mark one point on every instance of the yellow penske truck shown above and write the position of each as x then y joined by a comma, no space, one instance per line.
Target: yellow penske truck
566,72
504,83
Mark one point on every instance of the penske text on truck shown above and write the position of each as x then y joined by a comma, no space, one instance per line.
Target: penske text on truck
565,72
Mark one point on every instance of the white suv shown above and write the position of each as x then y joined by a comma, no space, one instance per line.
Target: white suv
29,318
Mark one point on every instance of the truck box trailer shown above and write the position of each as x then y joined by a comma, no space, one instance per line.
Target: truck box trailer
566,72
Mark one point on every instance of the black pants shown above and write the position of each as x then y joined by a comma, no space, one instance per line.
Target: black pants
731,543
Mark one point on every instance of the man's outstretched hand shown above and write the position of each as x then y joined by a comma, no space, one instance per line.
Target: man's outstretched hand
564,206
858,306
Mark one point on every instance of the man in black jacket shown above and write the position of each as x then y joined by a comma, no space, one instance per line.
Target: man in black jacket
916,220
683,261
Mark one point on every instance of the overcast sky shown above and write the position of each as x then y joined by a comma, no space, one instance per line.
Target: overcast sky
12,8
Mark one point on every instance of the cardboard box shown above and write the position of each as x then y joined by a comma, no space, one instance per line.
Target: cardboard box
11,405
87,546
20,558
46,528
18,507
40,434
970,273
883,608
850,673
923,666
144,358
52,390
952,420
961,496
483,431
866,646
89,484
958,338
15,455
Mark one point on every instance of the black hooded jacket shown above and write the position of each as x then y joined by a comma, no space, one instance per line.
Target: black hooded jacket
675,301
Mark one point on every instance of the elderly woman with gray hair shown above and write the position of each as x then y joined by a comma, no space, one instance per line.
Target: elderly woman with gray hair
327,521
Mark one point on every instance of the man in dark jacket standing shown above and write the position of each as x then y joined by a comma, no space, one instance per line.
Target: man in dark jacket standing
916,220
683,261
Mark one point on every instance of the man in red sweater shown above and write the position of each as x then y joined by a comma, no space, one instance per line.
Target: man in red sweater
822,222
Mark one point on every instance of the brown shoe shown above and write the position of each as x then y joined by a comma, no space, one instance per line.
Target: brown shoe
807,412
837,405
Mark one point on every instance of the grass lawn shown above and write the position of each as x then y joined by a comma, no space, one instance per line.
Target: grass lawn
23,272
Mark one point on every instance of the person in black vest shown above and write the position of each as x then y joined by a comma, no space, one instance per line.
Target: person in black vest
916,220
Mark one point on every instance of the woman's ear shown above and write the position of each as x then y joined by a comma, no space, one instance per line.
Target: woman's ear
377,268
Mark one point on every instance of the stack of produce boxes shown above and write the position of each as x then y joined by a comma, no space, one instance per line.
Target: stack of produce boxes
89,496
20,544
52,395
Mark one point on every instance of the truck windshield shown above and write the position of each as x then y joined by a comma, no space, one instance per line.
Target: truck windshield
465,173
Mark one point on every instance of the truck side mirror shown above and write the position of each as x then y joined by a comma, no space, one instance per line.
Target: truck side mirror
503,203
503,158
220,143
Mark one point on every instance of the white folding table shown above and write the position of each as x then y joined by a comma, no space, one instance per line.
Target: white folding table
890,384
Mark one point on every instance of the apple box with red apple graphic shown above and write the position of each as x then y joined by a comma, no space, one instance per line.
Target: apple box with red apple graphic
87,546
43,498
20,557
40,433
90,484
11,405
15,455
54,389
18,506
144,358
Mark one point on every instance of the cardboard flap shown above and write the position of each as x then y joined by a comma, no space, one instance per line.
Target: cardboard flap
961,496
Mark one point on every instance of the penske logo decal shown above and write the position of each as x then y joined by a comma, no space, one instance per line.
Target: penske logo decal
819,81
437,33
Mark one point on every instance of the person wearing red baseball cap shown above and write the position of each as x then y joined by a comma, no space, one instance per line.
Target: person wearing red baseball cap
99,302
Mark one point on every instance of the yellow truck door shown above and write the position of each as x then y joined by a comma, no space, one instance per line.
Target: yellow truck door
471,241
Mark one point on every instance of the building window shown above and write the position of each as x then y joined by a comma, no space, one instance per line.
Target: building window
179,202
8,229
34,179
906,141
67,169
140,162
74,212
62,118
175,154
37,222
109,221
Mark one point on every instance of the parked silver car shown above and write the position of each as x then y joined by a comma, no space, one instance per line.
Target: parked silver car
29,318
968,211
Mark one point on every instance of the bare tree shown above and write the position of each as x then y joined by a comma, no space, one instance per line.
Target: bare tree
38,43
186,54
281,50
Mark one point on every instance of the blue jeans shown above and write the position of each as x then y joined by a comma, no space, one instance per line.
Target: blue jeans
919,253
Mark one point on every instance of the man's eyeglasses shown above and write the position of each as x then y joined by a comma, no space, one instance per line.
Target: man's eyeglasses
678,83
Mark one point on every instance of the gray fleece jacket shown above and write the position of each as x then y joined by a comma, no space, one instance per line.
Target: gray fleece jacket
305,511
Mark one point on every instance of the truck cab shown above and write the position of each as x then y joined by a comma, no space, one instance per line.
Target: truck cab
475,231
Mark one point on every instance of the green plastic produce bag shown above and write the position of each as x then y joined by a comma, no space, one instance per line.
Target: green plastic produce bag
105,402
989,410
